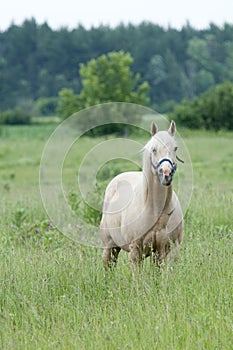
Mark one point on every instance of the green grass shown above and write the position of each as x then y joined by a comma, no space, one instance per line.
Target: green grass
53,292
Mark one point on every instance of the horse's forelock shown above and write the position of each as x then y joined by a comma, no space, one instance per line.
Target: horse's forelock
149,144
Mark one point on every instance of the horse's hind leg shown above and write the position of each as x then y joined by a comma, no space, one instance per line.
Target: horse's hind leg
172,252
115,253
106,257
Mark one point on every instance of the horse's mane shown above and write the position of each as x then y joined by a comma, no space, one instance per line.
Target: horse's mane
146,156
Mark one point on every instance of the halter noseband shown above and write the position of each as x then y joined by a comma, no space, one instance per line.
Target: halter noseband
171,166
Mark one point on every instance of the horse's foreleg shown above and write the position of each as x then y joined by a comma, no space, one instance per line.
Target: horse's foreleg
110,256
135,255
161,241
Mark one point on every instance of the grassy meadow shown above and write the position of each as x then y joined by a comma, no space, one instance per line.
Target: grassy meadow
53,292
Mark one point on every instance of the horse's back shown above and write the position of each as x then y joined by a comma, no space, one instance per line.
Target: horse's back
122,182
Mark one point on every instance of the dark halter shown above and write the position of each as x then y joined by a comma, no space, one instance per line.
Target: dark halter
156,166
179,159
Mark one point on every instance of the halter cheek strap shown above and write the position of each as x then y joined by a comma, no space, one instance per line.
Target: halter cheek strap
172,167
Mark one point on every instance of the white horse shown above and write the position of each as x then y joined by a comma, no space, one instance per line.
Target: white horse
141,212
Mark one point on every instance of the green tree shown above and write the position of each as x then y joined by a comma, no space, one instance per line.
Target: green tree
198,65
203,80
229,59
224,110
68,103
106,79
109,78
198,51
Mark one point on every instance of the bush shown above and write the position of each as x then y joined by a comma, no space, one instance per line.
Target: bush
17,116
88,209
211,110
186,114
47,106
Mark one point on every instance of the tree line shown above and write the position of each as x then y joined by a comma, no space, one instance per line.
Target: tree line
38,63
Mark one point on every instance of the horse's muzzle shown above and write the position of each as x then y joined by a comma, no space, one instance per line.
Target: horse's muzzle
165,170
165,174
165,180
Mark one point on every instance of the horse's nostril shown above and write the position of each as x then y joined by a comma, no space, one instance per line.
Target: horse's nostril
167,172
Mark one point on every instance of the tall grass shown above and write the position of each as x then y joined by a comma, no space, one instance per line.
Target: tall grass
54,294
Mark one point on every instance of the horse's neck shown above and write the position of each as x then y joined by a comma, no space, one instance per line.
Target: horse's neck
156,196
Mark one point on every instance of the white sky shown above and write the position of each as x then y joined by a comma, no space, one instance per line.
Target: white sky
70,13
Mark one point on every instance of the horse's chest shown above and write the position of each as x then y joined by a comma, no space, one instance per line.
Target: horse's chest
156,236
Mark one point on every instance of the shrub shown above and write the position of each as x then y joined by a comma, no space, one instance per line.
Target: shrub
17,116
211,110
47,106
88,209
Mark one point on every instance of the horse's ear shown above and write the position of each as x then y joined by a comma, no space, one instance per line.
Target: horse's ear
172,128
153,129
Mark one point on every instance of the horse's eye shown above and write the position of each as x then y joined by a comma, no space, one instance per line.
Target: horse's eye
154,150
175,149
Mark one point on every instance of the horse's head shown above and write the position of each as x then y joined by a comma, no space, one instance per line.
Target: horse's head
162,150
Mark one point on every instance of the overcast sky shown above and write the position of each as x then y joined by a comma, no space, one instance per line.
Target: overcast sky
70,13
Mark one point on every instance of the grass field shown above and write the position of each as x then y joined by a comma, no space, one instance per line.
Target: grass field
53,292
